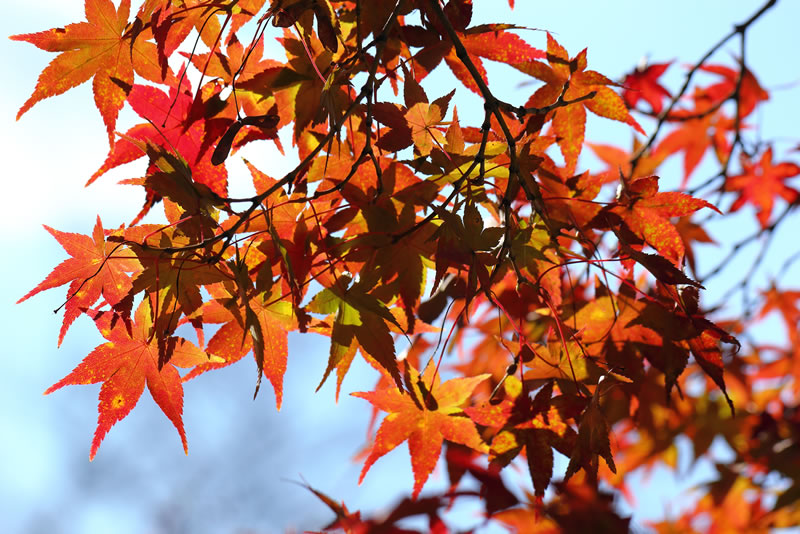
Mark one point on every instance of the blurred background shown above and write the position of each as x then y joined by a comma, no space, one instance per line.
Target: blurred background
245,457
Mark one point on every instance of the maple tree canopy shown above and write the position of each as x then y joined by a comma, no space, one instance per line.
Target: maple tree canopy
513,302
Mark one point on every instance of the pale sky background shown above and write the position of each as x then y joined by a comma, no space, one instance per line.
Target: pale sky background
241,452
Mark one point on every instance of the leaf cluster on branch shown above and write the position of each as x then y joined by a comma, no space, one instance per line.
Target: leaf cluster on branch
541,307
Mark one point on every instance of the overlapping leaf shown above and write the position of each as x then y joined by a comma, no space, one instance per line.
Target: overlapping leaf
525,423
343,244
359,320
171,125
261,326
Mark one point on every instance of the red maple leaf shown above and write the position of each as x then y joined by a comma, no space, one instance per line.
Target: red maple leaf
126,363
91,271
492,44
171,125
647,213
487,41
103,48
750,92
425,416
761,182
642,83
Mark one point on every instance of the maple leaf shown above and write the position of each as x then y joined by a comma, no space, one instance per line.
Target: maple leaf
349,522
309,88
592,440
238,336
392,115
415,123
343,245
694,332
630,329
400,265
172,21
359,320
236,61
490,42
465,242
495,43
485,41
423,118
104,48
759,184
172,126
94,269
569,122
129,361
785,302
691,232
642,83
176,282
647,212
462,460
663,269
192,208
618,161
701,128
426,415
534,254
579,506
525,423
750,92
526,520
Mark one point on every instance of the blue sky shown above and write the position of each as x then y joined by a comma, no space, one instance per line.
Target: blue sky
241,452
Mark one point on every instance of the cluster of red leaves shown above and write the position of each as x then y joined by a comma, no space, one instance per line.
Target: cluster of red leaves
571,306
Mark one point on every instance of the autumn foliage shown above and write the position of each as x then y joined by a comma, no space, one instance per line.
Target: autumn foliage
513,303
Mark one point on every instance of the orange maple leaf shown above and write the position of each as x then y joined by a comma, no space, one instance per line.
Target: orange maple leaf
238,64
701,128
787,303
105,48
569,122
761,182
618,161
423,119
126,363
235,338
425,416
91,271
